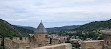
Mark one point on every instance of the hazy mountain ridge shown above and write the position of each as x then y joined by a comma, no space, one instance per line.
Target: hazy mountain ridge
54,29
92,26
23,30
64,28
27,27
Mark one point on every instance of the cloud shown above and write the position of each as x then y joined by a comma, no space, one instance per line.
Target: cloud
54,11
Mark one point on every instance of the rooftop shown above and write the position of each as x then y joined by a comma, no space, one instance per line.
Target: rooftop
41,28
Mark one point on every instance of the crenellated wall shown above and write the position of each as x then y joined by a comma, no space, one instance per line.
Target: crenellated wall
38,40
16,43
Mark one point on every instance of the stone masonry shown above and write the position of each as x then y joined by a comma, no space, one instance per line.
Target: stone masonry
39,39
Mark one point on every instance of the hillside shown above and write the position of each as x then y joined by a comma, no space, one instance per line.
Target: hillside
22,30
6,30
92,29
93,26
64,28
54,29
27,27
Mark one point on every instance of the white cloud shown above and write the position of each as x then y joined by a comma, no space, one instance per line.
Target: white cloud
55,10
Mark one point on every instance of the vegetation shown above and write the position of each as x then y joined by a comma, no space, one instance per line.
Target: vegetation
6,30
61,29
1,47
22,30
93,26
92,30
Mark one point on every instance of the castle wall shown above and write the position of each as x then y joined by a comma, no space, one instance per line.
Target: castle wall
16,43
55,41
8,43
95,44
107,38
16,39
107,42
38,40
25,39
47,41
57,46
41,39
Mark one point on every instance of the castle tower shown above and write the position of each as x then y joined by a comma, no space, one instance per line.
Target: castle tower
41,28
40,35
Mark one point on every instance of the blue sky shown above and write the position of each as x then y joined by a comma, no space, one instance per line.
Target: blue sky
54,13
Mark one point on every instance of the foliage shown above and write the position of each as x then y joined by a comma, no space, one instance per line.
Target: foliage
92,30
61,29
95,26
89,30
1,47
6,30
23,30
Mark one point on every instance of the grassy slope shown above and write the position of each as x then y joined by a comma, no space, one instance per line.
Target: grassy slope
6,30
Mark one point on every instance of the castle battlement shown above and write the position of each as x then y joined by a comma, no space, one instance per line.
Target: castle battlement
18,40
38,39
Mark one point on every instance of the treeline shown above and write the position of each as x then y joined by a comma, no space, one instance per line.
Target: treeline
92,29
22,30
61,29
93,26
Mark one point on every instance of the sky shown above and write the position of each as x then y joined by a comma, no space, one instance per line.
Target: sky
54,13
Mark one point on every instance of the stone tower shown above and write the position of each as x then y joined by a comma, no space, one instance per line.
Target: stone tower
41,35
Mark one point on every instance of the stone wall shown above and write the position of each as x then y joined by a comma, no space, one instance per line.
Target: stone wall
94,44
41,39
16,43
38,40
107,38
57,46
107,42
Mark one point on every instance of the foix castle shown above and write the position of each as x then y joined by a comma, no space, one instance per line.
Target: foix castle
39,40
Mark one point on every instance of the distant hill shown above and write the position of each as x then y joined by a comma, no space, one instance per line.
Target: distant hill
27,27
92,30
54,29
92,26
7,30
64,28
23,30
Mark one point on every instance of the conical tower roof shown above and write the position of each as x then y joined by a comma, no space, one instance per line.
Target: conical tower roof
41,28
